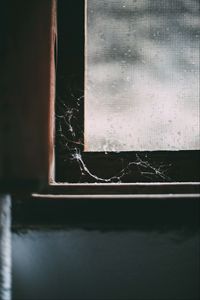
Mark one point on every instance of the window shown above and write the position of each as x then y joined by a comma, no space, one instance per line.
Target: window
27,110
165,163
141,76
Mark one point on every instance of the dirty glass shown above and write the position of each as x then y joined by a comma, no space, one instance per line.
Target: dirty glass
142,75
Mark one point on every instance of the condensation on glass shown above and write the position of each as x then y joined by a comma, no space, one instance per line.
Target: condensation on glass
142,75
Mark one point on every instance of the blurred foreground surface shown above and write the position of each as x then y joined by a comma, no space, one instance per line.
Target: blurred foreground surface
101,250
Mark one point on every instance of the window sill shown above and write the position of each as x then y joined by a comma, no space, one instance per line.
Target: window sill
122,191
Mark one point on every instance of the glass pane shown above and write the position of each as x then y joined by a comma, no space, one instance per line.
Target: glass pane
142,75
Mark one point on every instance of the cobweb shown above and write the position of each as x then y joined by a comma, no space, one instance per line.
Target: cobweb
70,144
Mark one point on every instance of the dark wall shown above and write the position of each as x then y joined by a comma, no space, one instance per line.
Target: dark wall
25,77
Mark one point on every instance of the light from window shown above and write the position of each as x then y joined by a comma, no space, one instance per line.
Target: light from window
142,75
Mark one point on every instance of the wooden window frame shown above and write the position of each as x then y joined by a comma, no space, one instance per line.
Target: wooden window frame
31,169
138,190
122,190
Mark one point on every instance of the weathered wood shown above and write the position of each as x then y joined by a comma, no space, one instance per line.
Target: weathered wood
5,247
27,93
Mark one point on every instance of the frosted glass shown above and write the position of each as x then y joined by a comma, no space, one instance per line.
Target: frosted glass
142,75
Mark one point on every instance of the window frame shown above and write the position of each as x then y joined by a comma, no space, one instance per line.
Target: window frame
27,158
138,190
